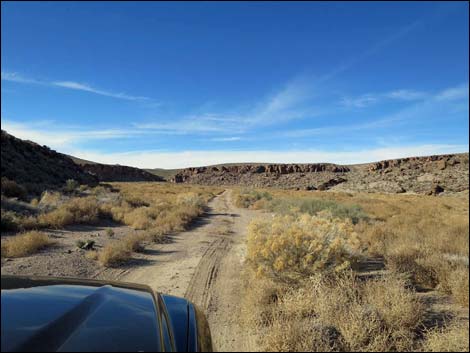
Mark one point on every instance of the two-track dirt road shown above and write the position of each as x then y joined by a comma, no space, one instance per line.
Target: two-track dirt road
204,264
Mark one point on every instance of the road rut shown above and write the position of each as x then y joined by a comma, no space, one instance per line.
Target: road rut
204,264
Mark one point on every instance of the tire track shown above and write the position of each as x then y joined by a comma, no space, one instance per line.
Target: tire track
200,288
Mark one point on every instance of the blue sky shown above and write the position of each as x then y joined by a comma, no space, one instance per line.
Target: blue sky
185,84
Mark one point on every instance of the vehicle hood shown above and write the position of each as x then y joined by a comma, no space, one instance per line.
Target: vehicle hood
78,318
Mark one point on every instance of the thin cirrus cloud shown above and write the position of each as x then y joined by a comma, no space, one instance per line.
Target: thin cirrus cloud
45,134
18,78
368,99
286,104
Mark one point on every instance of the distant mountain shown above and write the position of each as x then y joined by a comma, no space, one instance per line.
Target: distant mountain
37,167
166,174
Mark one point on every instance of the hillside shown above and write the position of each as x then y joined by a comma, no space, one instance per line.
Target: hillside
116,172
166,174
38,168
426,175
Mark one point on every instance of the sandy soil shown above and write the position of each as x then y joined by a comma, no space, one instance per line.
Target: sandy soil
204,265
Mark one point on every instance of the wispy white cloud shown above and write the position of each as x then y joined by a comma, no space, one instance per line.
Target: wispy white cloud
359,102
289,103
369,99
406,95
15,77
83,87
226,139
454,93
449,101
158,159
44,133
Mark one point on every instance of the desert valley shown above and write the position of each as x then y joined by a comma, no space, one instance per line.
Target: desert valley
279,256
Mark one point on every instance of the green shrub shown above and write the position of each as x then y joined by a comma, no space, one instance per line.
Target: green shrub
11,189
71,185
9,221
314,206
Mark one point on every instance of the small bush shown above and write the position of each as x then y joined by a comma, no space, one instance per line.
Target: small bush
76,210
315,206
156,236
110,232
114,254
133,242
9,221
24,244
290,246
248,198
71,185
11,189
50,200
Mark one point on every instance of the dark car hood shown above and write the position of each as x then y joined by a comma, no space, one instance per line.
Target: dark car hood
78,318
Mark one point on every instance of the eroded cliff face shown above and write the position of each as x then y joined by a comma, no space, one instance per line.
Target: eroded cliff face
108,172
427,175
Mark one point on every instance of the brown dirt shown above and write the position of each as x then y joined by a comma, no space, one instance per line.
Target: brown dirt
204,265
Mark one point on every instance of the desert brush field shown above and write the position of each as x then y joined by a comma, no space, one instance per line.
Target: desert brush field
151,210
357,272
294,270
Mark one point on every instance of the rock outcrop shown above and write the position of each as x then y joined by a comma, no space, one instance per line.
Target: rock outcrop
412,175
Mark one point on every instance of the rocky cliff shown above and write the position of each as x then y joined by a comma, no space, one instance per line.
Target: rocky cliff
427,175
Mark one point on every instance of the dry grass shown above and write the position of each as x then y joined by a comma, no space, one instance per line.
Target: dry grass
452,338
337,313
424,242
161,208
292,247
24,244
74,211
114,254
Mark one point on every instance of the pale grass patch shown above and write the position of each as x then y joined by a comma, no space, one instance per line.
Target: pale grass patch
24,244
451,338
114,254
76,210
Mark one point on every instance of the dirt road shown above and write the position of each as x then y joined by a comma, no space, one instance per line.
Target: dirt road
204,265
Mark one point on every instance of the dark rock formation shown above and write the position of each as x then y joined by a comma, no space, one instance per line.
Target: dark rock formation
413,175
38,168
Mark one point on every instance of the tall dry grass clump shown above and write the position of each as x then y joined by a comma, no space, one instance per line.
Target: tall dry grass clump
336,312
114,254
74,211
24,244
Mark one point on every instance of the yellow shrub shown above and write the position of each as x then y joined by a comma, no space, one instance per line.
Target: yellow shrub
114,254
76,210
301,245
24,244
